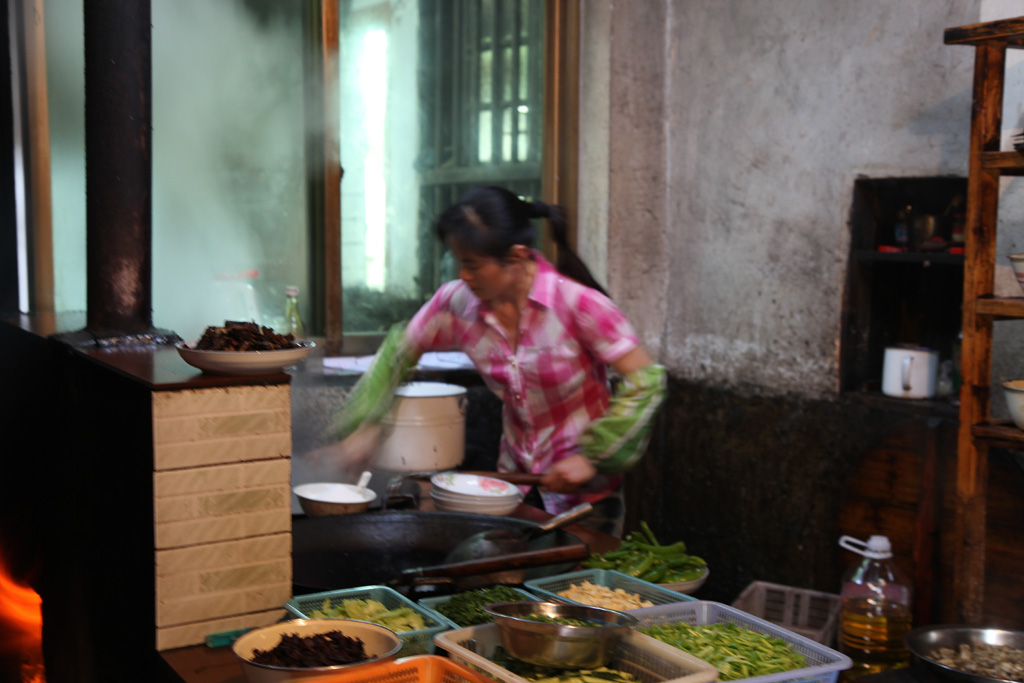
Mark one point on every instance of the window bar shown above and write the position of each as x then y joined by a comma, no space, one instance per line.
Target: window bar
497,57
467,129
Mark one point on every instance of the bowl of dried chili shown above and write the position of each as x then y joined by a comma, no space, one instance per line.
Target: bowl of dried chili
308,648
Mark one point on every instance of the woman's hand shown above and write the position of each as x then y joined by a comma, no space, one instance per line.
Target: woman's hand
568,474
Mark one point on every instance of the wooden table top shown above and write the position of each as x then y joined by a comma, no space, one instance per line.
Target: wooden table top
202,664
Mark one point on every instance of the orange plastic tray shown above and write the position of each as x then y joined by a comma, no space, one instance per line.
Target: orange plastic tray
414,669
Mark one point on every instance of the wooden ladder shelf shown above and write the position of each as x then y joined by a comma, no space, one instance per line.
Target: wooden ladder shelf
977,433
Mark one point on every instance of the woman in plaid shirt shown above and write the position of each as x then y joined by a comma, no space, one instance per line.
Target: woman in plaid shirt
542,340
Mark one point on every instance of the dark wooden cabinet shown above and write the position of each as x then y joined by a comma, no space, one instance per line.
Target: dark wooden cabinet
895,297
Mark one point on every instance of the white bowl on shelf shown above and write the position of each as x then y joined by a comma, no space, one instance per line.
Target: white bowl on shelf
1017,262
1013,390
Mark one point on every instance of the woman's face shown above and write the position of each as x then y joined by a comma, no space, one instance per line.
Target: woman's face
486,276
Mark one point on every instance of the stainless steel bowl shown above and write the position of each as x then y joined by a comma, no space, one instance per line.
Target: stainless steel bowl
922,643
560,645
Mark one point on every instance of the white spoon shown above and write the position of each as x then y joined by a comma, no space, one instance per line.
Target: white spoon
364,479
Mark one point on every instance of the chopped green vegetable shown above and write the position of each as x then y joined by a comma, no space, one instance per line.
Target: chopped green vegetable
735,651
399,619
466,609
641,555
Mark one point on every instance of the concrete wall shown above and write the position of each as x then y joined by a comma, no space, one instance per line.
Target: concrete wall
734,132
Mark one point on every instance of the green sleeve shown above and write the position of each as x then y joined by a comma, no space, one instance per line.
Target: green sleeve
371,397
616,440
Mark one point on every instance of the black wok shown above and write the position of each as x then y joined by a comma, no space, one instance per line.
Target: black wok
372,548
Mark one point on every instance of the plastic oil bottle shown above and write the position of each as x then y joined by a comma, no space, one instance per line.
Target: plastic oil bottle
875,614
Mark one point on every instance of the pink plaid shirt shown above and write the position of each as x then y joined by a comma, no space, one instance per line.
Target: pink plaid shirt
555,383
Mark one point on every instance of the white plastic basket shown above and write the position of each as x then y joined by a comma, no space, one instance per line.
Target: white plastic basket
649,659
823,663
810,613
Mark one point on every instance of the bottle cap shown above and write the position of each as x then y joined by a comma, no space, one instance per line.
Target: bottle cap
291,290
877,547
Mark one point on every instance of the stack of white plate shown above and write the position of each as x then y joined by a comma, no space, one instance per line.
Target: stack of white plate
454,492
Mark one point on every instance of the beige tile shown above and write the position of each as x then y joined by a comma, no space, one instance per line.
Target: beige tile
265,547
269,522
200,608
177,586
221,478
220,400
268,597
198,557
217,604
248,576
173,637
213,527
220,451
219,426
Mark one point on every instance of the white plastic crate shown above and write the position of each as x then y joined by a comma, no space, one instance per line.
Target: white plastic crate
548,587
810,613
823,663
649,659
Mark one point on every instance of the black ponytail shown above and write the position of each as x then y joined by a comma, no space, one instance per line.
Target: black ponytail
568,262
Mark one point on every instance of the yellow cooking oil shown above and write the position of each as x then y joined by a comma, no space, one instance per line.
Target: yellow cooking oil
871,633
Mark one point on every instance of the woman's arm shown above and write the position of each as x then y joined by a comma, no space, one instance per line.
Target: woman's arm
371,397
615,441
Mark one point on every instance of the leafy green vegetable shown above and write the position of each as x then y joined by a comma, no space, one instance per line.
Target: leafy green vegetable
466,609
641,555
398,619
735,651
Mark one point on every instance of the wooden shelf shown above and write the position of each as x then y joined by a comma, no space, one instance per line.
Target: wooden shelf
935,408
990,42
1006,163
1007,31
923,258
999,434
1010,308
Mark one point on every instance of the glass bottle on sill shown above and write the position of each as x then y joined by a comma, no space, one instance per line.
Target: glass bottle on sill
293,320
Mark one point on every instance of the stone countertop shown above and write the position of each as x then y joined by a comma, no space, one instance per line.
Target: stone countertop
159,366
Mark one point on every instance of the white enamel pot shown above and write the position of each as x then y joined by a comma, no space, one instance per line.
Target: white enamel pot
425,428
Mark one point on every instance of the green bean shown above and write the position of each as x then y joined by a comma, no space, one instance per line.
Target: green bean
641,555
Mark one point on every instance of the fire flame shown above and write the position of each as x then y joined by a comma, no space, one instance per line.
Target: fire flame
21,617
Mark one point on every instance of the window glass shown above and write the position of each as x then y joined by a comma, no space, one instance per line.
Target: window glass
65,92
230,223
427,111
230,219
435,96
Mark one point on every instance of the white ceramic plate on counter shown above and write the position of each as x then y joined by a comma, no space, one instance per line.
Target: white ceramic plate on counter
244,362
